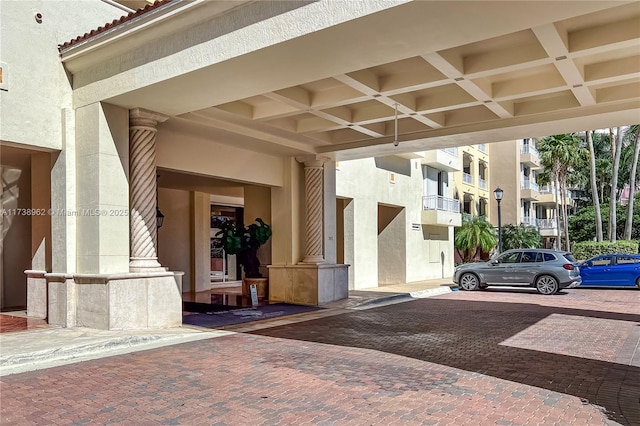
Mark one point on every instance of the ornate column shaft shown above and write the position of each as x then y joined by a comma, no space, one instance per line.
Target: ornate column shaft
314,223
142,192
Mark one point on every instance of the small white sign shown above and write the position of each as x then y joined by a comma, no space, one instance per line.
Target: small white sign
254,295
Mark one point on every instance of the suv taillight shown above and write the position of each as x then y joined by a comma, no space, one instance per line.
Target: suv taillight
568,266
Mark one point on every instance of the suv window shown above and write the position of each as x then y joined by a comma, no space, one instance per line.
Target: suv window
530,256
548,257
510,257
569,257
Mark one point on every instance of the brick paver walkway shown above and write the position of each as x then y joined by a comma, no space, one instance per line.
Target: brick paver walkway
466,358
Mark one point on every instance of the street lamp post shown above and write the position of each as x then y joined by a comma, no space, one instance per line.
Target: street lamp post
498,193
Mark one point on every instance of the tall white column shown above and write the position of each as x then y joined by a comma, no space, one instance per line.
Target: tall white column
142,182
314,209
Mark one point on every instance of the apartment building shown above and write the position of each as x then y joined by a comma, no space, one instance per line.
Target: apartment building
515,166
395,217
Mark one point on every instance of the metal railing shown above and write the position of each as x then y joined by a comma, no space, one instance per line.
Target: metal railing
438,202
467,178
529,184
529,149
531,221
547,224
451,151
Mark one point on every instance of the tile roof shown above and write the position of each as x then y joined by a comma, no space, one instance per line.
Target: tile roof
112,24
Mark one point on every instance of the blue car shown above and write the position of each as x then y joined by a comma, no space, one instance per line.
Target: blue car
611,270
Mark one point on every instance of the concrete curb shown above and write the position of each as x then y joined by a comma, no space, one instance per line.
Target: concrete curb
94,348
404,297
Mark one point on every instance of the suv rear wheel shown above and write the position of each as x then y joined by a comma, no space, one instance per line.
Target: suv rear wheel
546,284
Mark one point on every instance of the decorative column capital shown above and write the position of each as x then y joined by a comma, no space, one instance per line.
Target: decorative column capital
312,160
144,117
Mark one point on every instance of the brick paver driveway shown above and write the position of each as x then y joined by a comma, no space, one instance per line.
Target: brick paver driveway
582,342
477,358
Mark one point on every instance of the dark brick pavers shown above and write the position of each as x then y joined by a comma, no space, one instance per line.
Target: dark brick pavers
461,359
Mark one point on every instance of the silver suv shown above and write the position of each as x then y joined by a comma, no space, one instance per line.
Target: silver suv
546,270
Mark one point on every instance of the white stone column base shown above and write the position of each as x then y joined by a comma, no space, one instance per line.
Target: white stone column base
308,284
314,260
128,301
145,264
36,294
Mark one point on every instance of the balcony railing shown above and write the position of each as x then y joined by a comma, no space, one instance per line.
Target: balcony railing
482,147
531,221
529,149
438,202
529,184
547,224
483,183
467,178
451,151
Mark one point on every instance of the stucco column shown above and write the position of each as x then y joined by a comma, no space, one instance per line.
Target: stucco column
142,183
314,205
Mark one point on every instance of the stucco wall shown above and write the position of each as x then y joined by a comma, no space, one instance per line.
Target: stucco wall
16,234
369,183
38,87
174,241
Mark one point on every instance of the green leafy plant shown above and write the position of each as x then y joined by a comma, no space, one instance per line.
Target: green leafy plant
587,249
244,242
521,236
473,237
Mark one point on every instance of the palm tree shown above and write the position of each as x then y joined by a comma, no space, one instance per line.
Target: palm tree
635,129
594,185
616,145
559,155
475,235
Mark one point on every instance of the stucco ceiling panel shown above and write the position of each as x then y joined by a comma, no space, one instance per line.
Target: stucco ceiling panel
545,103
618,92
469,115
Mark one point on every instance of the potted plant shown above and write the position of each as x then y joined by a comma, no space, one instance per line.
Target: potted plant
244,242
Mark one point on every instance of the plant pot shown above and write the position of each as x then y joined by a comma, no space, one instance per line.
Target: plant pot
262,287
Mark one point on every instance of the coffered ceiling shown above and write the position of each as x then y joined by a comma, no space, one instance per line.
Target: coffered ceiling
569,68
452,73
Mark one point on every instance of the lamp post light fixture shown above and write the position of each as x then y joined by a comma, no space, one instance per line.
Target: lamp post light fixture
159,218
498,193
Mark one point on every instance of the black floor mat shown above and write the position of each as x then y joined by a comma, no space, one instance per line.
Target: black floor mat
203,308
212,319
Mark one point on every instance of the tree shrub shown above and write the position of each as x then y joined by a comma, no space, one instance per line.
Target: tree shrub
587,249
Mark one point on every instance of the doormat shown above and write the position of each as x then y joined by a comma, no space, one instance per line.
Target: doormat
244,315
204,308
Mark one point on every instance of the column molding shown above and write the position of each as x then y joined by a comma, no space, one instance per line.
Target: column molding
143,189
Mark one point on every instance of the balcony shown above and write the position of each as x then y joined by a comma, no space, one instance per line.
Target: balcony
443,159
441,211
467,178
482,147
548,227
529,156
482,183
529,221
529,190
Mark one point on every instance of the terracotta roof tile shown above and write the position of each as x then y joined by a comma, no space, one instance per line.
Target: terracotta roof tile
112,24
